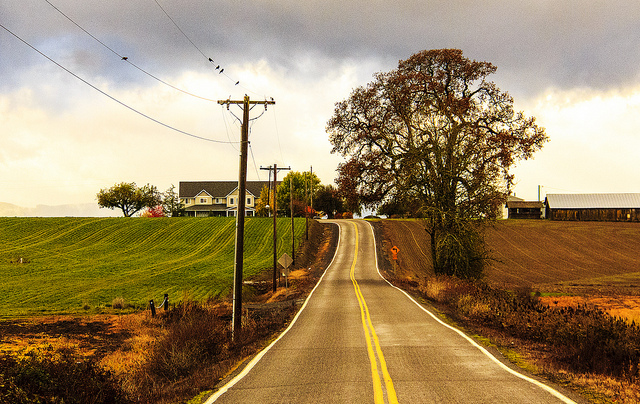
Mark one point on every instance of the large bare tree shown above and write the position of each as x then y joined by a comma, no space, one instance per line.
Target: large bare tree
436,136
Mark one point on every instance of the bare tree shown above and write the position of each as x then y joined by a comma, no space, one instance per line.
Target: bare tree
436,135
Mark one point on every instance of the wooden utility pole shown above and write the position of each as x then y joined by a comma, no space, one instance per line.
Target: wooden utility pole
275,227
293,232
274,284
308,209
242,199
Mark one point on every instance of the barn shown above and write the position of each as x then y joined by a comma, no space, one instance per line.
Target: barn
623,207
519,209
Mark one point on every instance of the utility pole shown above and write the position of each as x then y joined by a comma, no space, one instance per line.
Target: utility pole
242,199
275,227
306,206
268,206
293,232
308,209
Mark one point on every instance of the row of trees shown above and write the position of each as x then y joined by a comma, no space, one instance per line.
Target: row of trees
131,199
308,194
302,187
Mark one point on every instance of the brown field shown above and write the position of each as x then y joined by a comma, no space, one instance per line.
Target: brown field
595,263
549,254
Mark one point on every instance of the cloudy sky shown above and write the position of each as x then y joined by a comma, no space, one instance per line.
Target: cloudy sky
91,119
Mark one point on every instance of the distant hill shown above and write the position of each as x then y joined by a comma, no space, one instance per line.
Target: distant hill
71,210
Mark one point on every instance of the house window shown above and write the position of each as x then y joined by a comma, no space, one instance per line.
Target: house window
248,201
217,200
203,200
230,201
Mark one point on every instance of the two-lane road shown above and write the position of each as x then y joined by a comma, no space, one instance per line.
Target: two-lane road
359,340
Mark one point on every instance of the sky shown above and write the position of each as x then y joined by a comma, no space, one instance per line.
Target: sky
75,117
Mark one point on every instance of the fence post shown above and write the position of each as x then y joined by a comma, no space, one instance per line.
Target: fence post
165,304
153,308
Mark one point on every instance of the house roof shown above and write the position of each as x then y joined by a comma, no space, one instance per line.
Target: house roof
208,208
587,201
524,204
217,189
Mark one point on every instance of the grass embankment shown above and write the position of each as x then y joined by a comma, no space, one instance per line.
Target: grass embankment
72,265
136,358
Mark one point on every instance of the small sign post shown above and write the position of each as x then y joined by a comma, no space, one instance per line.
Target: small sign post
285,261
394,256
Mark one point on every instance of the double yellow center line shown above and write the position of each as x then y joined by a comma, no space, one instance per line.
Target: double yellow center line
372,339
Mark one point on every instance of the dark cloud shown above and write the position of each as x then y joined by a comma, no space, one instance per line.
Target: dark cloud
534,44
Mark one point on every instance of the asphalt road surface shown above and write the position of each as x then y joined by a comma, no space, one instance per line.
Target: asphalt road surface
358,339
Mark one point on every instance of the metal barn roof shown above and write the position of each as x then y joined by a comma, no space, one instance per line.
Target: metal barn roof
597,201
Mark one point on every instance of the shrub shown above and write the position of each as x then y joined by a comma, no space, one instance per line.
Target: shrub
156,211
196,349
118,303
56,376
584,339
459,250
195,335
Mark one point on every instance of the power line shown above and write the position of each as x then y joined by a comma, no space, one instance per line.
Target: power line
122,57
254,160
181,31
220,70
278,134
226,127
128,60
108,95
209,59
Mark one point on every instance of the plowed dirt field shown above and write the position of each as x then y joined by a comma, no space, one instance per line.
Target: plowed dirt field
546,255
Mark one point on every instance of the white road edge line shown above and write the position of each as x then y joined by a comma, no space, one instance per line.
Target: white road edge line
543,386
259,356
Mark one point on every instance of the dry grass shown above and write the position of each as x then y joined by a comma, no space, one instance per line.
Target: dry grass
526,335
624,306
133,352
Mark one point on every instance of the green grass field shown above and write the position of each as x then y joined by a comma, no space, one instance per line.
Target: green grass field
72,265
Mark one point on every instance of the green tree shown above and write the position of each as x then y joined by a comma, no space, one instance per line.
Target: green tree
326,199
264,204
171,203
438,136
129,198
298,181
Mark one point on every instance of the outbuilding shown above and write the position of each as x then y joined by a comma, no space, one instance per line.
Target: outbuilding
525,209
624,207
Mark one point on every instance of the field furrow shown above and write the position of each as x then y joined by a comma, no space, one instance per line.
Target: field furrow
72,264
